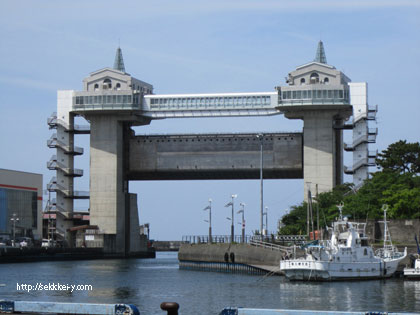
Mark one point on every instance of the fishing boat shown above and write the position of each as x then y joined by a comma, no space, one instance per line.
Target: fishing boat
414,272
345,256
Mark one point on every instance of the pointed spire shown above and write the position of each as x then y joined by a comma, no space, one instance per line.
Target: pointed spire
119,61
320,53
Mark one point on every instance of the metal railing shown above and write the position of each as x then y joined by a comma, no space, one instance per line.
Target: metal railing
53,122
361,163
372,108
53,142
272,246
55,165
55,187
301,102
201,239
276,240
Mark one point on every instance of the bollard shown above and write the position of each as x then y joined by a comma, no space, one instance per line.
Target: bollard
170,307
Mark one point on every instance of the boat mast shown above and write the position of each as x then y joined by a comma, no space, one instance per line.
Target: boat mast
307,208
386,234
317,212
310,212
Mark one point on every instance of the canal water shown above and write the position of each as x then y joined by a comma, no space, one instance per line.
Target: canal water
148,282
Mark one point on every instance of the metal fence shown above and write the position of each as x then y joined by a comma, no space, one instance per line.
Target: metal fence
284,240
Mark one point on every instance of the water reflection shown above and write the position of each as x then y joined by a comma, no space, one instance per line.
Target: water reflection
125,293
148,282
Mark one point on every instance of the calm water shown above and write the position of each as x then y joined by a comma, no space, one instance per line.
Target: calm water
148,282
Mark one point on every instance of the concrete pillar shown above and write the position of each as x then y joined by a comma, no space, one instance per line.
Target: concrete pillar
322,148
107,191
319,151
339,154
134,236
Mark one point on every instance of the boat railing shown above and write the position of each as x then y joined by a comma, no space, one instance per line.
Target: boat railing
389,252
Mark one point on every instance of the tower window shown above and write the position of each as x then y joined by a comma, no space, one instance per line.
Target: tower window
107,84
314,78
326,81
96,87
118,86
302,81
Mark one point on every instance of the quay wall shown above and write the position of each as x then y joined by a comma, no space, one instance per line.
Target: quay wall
166,246
402,230
230,253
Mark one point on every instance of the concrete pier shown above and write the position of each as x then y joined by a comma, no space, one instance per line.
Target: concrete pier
240,258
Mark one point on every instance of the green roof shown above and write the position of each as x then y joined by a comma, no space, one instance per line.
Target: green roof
119,61
320,54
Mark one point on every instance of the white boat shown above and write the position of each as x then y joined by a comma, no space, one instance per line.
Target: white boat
346,255
413,273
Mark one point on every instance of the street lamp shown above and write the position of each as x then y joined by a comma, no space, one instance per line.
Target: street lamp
14,220
261,138
209,208
232,228
266,220
243,220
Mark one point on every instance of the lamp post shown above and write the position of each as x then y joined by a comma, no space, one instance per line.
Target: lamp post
243,221
261,138
14,220
266,220
209,208
232,228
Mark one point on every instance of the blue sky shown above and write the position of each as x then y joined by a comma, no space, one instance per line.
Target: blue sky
198,47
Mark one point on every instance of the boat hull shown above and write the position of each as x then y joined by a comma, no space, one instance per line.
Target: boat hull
412,273
303,270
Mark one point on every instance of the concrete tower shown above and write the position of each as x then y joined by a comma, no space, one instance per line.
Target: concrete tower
319,94
111,100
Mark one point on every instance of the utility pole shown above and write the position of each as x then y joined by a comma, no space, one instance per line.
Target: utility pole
232,228
243,221
266,220
209,208
14,220
261,138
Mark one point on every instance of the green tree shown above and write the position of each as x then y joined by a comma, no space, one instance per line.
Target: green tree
295,221
400,156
